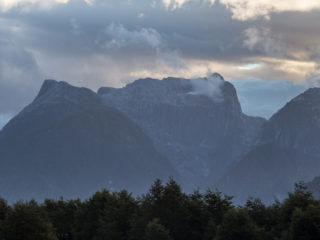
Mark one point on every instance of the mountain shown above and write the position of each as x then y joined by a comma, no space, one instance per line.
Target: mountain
314,187
67,143
288,151
72,141
198,125
297,125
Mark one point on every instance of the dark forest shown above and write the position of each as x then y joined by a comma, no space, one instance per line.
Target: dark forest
163,213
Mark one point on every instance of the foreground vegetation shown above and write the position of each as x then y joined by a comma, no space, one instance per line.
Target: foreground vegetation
163,213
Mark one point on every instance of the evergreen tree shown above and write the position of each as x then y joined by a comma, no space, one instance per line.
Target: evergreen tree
196,217
168,204
62,215
28,221
156,231
300,198
165,212
217,204
305,225
237,225
105,216
4,213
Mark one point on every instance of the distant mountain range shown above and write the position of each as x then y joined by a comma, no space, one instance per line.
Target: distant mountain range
72,141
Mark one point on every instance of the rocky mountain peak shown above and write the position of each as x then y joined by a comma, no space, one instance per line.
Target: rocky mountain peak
66,142
310,99
54,102
53,91
311,94
202,92
298,117
217,75
286,152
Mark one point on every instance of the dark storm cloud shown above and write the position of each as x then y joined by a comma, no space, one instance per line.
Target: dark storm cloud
113,42
200,32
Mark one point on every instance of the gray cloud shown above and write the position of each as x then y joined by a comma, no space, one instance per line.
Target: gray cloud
245,10
263,40
174,4
29,5
99,43
25,5
313,78
119,37
19,74
251,9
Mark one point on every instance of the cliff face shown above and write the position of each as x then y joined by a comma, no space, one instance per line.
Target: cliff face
197,124
67,143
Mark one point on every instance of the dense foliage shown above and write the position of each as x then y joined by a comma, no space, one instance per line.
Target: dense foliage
163,213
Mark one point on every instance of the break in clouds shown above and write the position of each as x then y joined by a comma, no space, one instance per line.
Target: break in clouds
95,43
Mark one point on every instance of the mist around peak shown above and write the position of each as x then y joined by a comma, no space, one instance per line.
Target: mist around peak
210,86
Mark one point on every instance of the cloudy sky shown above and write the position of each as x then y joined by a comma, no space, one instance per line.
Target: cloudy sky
269,49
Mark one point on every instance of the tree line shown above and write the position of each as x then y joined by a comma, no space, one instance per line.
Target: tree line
163,213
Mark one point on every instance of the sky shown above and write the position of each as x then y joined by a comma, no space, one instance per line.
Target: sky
269,49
